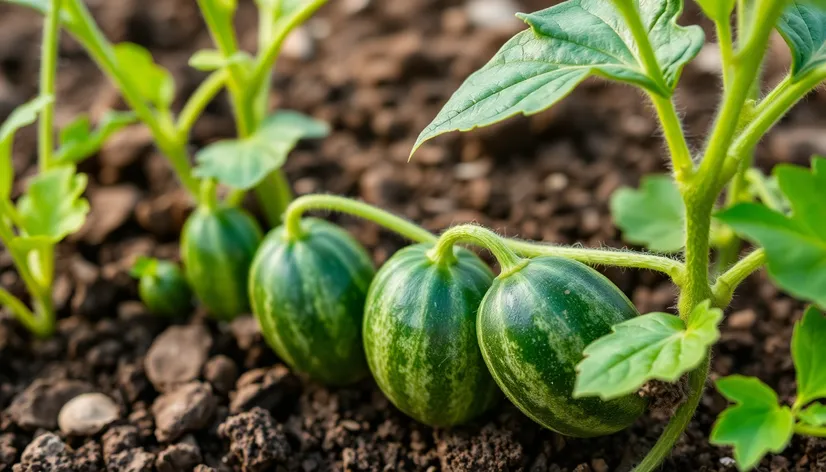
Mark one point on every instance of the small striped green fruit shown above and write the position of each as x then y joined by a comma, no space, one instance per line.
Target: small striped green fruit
308,296
162,287
420,336
533,325
217,247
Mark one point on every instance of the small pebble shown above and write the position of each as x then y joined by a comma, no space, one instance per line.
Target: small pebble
87,414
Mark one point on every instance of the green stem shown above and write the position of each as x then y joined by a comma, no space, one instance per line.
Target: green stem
628,10
758,185
84,28
679,422
726,50
197,103
442,253
275,195
596,257
292,217
808,430
674,137
19,310
726,284
48,78
209,194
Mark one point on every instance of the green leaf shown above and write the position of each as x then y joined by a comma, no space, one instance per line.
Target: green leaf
210,59
653,346
78,141
717,10
566,44
795,245
154,82
22,116
756,425
815,415
653,216
243,163
809,354
52,206
803,26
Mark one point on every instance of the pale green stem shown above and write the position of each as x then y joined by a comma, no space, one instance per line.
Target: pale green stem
83,27
727,283
292,217
726,49
48,78
442,253
674,137
808,430
275,195
19,310
603,257
758,185
197,103
209,196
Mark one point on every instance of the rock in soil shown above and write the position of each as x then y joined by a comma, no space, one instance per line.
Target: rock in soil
46,453
8,451
264,388
256,442
87,414
221,372
38,406
187,408
177,356
184,455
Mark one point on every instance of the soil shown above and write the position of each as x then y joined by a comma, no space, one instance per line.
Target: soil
192,393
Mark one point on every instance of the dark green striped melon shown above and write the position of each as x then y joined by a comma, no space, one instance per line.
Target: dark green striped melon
420,336
308,297
217,247
163,288
533,326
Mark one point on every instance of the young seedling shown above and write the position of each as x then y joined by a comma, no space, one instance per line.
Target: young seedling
252,161
51,207
640,44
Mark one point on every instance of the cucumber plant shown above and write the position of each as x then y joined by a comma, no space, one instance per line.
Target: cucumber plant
707,205
251,161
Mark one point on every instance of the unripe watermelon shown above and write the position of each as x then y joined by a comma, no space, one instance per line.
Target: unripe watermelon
217,247
533,325
308,297
420,336
162,287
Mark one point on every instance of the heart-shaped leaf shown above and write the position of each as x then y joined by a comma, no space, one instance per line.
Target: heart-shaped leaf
243,163
653,346
565,44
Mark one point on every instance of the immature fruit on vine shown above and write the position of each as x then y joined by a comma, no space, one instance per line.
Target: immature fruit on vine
533,325
217,247
308,294
420,336
163,288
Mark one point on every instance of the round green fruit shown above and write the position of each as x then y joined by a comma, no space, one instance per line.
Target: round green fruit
217,247
162,287
533,325
308,295
420,336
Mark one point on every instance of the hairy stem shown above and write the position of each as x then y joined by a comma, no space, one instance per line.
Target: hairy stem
48,78
726,45
679,422
726,284
674,137
442,252
301,205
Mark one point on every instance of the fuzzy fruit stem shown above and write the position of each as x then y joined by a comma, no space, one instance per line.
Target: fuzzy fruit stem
442,252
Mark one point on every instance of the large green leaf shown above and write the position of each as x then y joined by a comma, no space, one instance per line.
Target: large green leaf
795,245
653,216
653,346
565,44
22,116
809,354
756,425
52,206
803,26
243,163
154,82
78,141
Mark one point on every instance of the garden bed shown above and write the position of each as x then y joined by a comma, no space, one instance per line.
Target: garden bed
377,72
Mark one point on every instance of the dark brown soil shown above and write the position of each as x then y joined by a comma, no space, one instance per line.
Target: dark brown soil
378,71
